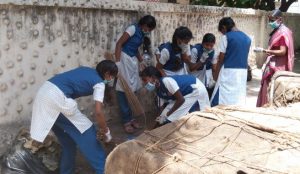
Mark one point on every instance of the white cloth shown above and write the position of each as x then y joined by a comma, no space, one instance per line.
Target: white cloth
164,56
210,82
49,102
232,86
130,30
182,71
199,94
170,84
98,94
223,44
204,75
129,69
186,49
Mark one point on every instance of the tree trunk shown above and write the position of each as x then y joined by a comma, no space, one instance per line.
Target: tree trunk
271,4
285,5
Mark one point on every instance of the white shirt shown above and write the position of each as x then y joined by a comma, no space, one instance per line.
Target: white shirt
165,55
130,30
98,94
170,84
194,56
223,44
50,101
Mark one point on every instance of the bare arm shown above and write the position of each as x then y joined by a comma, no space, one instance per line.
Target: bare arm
139,57
281,52
100,119
179,101
159,66
216,68
192,66
119,45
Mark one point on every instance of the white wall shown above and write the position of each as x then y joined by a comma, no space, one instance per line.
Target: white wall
41,38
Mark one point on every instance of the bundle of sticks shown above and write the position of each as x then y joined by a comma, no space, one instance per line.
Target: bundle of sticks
132,99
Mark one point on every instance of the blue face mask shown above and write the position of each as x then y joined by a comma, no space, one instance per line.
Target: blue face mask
146,33
150,87
274,24
107,81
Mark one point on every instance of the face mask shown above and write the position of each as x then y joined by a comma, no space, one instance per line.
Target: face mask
107,81
207,50
274,24
182,46
149,86
146,33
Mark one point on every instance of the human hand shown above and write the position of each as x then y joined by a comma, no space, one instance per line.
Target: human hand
142,66
161,119
184,48
104,135
204,57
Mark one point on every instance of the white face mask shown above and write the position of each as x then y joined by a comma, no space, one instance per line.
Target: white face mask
207,50
184,47
150,86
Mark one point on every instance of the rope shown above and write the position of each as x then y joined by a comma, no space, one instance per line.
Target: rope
155,144
219,116
235,108
260,168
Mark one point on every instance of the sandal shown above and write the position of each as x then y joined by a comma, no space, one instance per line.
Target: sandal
128,128
135,124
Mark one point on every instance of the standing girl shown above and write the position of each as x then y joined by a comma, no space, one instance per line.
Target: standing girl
172,56
231,70
204,52
128,58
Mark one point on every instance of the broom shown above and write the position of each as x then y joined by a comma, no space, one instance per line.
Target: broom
132,99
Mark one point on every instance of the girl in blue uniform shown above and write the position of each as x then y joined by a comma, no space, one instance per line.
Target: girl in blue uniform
204,52
172,56
179,93
128,58
55,108
231,70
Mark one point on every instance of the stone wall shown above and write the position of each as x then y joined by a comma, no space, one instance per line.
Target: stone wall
40,38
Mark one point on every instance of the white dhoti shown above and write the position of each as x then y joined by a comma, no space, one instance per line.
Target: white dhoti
129,69
230,88
49,102
199,95
200,74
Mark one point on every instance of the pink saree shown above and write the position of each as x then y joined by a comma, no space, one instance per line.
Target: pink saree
276,63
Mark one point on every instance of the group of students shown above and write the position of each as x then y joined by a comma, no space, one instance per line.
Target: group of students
185,75
180,79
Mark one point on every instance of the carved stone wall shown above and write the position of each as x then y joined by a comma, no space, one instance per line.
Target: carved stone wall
40,38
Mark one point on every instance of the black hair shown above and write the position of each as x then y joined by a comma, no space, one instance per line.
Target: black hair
107,66
149,21
181,33
150,71
227,22
209,38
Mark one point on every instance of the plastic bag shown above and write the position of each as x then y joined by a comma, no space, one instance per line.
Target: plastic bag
26,156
